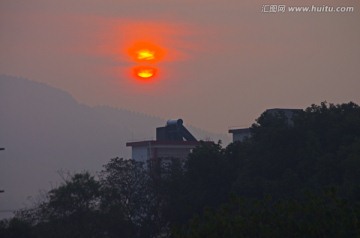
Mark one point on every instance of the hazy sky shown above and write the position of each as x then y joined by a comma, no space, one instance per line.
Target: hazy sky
225,62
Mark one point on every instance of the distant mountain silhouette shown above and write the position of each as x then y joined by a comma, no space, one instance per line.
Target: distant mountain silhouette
44,130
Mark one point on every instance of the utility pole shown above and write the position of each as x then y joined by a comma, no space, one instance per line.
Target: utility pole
1,191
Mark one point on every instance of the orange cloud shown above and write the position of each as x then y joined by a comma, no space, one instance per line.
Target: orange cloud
125,37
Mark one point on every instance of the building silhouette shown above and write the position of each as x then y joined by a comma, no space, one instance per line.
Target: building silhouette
173,141
240,134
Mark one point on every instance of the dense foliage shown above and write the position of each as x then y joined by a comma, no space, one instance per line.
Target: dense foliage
297,178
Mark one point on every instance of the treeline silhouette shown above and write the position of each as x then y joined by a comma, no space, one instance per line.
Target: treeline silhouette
298,179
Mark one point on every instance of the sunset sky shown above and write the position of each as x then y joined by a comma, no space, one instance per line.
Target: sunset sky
218,64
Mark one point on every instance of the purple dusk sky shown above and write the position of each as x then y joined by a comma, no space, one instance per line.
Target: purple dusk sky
225,62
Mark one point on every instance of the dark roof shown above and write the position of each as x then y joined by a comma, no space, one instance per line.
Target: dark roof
154,142
284,109
240,130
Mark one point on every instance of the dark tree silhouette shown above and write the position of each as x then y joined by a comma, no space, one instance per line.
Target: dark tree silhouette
298,179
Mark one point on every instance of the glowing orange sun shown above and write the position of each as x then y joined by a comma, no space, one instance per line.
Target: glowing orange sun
145,72
145,51
145,54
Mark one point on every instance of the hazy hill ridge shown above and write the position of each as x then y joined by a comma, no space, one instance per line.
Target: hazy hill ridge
45,130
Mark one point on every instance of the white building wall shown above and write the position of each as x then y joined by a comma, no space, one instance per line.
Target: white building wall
140,153
150,151
180,153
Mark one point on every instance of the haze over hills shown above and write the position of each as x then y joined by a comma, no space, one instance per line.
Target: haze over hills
44,130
